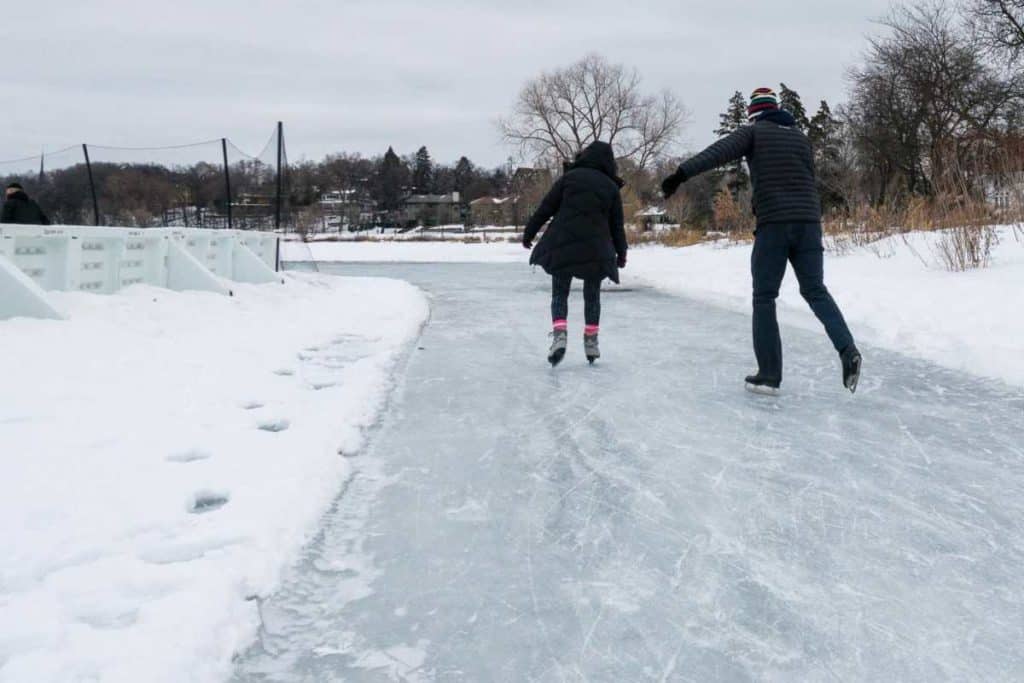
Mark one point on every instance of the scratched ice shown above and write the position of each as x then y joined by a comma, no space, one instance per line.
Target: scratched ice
646,519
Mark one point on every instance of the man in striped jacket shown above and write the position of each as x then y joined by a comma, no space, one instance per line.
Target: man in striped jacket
788,211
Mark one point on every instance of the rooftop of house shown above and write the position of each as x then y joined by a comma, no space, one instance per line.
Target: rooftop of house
650,212
496,201
341,196
452,198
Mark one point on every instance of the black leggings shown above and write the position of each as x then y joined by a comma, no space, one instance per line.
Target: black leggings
560,286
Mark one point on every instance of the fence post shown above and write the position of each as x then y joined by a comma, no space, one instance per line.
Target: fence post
227,180
92,186
280,149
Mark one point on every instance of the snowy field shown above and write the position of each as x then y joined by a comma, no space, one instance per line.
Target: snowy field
894,293
440,233
406,252
165,455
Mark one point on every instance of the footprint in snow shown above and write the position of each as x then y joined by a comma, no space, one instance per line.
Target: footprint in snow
191,455
202,502
205,501
109,618
250,405
284,372
274,425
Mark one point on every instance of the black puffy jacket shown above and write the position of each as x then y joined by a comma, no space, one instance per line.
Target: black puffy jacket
20,209
781,168
587,235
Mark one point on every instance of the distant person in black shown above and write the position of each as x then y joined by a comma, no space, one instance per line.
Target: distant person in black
586,240
788,210
18,208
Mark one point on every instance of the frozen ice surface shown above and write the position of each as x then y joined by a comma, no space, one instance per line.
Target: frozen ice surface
647,519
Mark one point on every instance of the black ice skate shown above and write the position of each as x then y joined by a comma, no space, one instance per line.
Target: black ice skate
851,367
758,384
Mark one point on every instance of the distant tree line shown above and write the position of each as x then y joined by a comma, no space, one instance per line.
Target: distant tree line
389,178
152,194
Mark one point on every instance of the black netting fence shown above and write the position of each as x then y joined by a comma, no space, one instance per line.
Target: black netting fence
211,184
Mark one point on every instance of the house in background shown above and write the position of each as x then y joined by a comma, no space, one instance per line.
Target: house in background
653,219
491,211
351,209
1005,193
430,210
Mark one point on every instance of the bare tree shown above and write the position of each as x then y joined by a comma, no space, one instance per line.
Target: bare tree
561,112
999,24
925,100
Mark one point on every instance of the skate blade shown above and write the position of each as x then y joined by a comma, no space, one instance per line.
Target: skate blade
556,357
592,359
854,379
761,390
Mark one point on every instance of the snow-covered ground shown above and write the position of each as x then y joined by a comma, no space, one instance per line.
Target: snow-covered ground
440,233
894,294
165,455
404,251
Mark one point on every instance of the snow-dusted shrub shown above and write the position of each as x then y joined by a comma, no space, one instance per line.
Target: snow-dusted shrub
967,247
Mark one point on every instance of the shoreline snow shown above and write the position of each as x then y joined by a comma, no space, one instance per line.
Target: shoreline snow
404,251
893,293
167,454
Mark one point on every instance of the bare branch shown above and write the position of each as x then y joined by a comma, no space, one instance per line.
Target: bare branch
560,113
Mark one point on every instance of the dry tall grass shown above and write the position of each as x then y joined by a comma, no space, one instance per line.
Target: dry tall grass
965,242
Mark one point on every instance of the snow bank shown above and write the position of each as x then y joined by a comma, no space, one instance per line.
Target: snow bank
414,252
893,293
165,455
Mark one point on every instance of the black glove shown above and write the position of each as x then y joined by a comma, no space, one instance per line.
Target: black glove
622,261
527,242
671,184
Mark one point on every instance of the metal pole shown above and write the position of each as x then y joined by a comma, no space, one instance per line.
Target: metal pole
227,180
280,149
92,186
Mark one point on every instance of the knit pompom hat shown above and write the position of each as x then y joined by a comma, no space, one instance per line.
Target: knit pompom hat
762,100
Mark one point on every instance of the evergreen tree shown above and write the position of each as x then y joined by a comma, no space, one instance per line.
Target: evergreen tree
825,133
791,102
390,181
736,177
423,171
734,117
465,173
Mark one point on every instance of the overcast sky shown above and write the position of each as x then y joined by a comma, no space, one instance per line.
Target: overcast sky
361,75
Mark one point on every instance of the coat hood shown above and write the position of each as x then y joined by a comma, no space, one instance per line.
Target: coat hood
778,116
599,157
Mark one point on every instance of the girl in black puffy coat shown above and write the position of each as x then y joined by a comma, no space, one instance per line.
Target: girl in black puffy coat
586,240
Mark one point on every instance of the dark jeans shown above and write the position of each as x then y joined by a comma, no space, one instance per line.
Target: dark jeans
800,245
560,286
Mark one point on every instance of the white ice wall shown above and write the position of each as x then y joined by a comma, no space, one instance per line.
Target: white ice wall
103,260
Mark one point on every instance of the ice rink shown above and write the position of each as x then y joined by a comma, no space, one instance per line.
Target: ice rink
648,520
